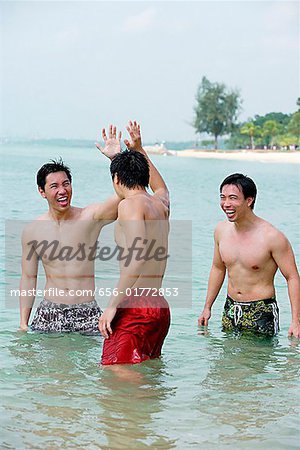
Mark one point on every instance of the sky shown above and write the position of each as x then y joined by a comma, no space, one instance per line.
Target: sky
70,68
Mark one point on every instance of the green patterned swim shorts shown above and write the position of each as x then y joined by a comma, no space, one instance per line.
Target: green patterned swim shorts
259,316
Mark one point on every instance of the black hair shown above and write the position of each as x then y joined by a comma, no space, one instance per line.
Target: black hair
132,169
52,167
244,183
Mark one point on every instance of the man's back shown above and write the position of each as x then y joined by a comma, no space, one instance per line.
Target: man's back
137,318
152,222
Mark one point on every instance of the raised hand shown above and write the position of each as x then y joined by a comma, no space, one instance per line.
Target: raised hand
112,142
134,131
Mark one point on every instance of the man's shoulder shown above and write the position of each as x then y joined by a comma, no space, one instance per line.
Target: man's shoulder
162,195
44,216
139,199
268,228
132,207
88,211
221,226
149,206
136,201
32,229
272,234
29,230
31,226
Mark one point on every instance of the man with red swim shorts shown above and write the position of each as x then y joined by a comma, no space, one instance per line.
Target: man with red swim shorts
137,318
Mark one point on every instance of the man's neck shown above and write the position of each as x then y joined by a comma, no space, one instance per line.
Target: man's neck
59,216
132,192
247,222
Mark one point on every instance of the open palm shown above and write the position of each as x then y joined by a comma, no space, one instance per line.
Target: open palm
134,131
112,143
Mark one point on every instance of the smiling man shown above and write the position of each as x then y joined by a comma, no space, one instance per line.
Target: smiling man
250,250
58,238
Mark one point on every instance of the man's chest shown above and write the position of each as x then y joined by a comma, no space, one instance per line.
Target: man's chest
70,240
250,252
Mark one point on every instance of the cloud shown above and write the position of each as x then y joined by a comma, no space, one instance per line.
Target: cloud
143,21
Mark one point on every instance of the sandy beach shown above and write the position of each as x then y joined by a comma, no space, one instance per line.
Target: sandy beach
246,155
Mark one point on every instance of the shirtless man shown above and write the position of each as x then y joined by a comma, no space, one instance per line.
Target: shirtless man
251,250
62,238
137,318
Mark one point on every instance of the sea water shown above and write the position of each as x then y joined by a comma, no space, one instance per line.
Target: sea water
210,390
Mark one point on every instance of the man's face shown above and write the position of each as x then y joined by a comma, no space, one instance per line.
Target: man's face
58,191
233,202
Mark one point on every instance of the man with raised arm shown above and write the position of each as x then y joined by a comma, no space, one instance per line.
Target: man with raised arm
250,250
63,238
137,318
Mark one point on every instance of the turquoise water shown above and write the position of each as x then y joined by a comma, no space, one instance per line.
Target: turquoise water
210,390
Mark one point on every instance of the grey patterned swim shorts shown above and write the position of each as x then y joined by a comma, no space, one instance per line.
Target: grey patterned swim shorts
62,318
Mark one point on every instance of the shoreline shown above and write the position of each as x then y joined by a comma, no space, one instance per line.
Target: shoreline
245,155
291,156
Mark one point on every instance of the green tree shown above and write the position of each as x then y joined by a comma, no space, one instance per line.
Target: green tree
216,110
286,140
294,124
250,130
237,141
279,117
270,129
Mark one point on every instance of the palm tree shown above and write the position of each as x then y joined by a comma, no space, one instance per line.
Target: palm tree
270,129
250,130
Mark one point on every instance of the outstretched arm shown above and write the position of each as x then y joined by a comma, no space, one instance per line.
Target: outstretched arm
157,183
215,282
284,257
108,210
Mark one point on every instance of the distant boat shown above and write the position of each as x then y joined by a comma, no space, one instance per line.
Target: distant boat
159,149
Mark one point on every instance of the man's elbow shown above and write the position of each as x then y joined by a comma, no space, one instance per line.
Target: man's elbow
166,190
27,276
113,216
133,269
162,191
292,278
219,269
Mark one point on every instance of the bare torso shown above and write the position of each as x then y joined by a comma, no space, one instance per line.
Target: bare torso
248,259
69,260
156,222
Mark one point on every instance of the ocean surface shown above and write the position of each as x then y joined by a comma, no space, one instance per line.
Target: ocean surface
210,390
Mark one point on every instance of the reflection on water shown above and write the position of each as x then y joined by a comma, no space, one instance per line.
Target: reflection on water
221,391
73,401
241,389
133,396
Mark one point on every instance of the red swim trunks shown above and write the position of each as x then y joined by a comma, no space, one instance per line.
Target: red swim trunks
138,333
